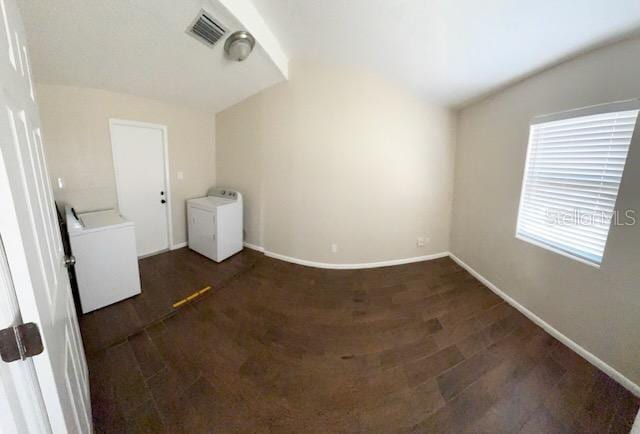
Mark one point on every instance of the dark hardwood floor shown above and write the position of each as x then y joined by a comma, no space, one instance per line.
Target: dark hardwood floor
165,279
276,347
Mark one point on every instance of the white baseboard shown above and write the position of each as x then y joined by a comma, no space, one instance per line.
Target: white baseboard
355,266
254,247
595,361
344,266
178,246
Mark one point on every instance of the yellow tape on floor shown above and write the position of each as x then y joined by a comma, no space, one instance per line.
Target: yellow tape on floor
191,297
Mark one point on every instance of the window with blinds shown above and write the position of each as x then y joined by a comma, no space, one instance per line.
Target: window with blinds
575,162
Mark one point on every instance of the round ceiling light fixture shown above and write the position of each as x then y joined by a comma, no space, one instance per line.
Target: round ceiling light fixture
239,45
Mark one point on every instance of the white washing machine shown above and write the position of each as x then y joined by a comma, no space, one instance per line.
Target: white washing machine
215,223
103,244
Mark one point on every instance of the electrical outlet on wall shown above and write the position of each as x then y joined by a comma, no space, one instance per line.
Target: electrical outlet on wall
180,175
61,183
334,248
422,241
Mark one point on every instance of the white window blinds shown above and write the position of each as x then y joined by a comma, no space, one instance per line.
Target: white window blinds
573,171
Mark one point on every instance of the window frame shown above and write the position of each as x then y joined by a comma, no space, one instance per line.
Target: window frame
619,106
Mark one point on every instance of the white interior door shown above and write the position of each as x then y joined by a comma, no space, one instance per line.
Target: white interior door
21,406
31,239
139,152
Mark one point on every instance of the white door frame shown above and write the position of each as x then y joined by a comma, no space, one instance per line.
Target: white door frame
165,145
635,429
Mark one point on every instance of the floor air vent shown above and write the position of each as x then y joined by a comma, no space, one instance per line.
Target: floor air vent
207,29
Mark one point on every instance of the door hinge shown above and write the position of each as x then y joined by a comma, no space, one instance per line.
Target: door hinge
19,342
69,261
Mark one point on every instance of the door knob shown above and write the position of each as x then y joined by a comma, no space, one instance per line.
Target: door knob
69,260
163,201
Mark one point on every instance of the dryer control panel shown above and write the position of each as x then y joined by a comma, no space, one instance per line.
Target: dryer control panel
223,192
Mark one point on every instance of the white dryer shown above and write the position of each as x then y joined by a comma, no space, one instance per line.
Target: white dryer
215,223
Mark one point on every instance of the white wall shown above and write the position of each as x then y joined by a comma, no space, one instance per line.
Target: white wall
339,156
75,125
599,309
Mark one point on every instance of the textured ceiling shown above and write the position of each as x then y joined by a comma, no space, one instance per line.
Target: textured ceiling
140,47
448,51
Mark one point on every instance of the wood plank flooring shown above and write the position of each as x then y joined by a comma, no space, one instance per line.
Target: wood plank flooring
165,279
277,347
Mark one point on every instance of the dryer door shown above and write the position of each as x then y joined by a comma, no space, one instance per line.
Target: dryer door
202,232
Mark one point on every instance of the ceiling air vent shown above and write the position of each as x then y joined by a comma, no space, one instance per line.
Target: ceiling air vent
207,29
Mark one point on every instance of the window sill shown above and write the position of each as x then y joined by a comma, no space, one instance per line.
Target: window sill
564,253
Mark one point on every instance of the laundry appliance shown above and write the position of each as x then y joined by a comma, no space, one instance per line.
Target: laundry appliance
215,223
103,244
